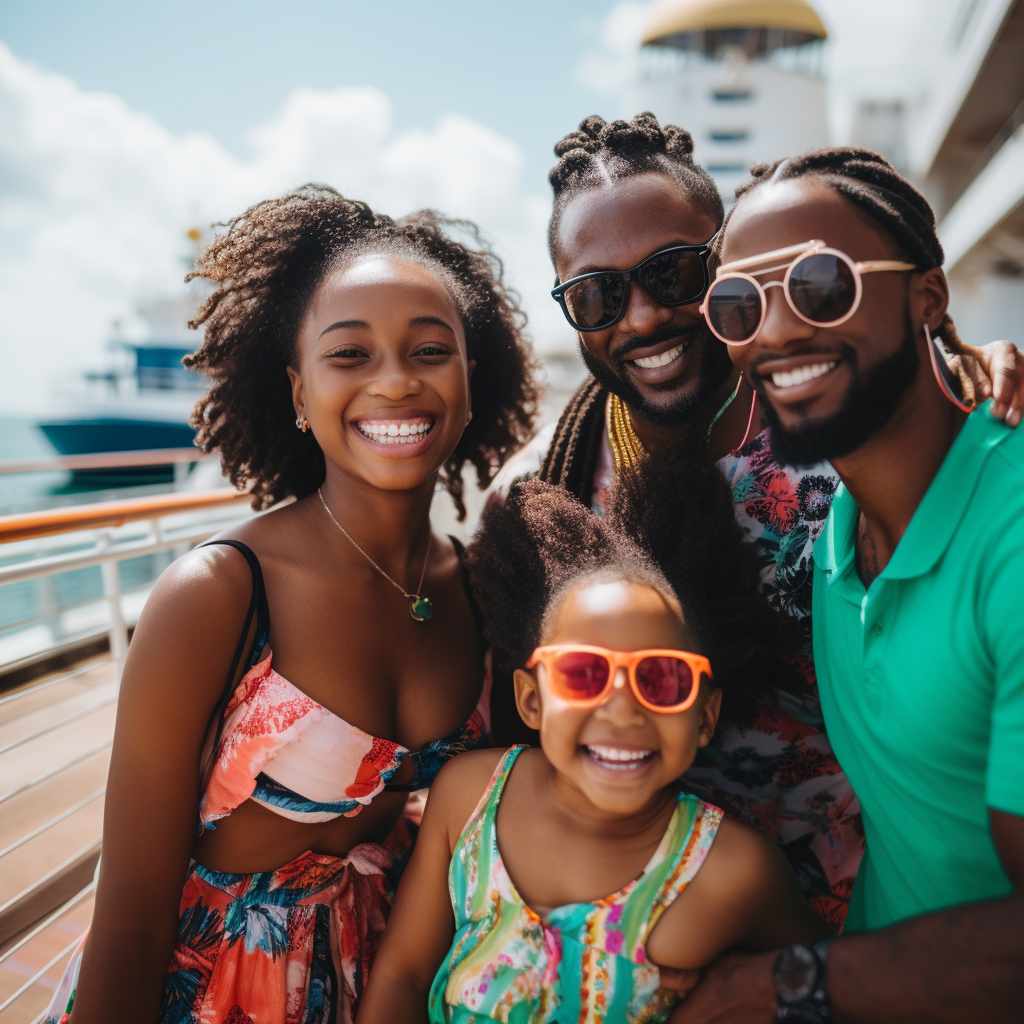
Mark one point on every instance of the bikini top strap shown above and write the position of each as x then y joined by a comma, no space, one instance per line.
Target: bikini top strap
467,583
257,606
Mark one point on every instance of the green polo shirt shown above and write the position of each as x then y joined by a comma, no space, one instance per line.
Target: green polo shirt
922,680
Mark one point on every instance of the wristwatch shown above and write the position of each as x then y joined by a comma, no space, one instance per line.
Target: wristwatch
799,977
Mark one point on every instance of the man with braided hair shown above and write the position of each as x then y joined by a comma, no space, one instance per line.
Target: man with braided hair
628,198
918,597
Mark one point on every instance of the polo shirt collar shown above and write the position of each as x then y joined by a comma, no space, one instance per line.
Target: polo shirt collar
937,517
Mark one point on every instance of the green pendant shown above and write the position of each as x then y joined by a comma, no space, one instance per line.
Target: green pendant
420,608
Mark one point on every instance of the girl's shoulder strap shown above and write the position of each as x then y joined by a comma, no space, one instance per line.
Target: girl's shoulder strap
257,606
487,805
467,583
687,840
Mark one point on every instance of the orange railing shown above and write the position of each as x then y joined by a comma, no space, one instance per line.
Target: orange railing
110,513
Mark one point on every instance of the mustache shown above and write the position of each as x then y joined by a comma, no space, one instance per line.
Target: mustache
845,352
667,332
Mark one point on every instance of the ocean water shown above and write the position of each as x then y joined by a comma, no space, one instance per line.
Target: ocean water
20,438
39,613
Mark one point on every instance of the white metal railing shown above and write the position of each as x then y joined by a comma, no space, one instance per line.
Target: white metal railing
45,544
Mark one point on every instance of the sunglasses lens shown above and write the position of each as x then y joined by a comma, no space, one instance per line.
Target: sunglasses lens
822,287
675,278
664,681
595,301
579,675
734,309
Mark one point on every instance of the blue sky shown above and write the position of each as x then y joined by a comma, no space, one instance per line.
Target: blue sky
124,124
222,67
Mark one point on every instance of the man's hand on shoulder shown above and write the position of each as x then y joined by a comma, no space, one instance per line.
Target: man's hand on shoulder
997,371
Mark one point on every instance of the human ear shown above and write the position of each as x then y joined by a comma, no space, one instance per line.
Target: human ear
930,298
709,712
527,697
297,398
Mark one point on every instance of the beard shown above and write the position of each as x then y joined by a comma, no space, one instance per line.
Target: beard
713,370
870,402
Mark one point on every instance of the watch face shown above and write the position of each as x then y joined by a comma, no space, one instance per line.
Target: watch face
795,974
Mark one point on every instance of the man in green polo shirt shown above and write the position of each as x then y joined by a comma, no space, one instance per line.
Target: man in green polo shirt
830,293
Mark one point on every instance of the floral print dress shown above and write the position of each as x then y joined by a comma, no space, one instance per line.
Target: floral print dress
584,961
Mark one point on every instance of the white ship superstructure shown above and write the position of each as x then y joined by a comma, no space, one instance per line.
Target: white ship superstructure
965,146
742,76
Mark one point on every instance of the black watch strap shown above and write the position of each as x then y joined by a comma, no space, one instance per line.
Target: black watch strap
800,979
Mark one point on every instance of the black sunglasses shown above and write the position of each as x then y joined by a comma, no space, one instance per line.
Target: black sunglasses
674,277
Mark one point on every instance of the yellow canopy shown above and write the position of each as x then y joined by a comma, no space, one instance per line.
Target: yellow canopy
675,17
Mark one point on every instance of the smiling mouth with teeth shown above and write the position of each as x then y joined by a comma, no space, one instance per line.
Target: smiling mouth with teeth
802,374
395,431
652,362
618,759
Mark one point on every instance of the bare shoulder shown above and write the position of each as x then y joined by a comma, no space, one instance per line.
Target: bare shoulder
188,631
205,588
457,789
741,863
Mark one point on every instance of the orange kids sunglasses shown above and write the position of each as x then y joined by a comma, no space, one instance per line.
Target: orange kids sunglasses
662,680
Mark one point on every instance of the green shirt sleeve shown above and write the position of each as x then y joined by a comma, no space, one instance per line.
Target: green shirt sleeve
1003,626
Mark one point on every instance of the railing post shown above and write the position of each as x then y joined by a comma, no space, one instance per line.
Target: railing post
112,592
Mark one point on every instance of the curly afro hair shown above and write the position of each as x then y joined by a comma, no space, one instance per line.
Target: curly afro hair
599,152
266,267
686,544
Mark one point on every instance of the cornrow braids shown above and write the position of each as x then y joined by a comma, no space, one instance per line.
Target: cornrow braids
266,267
599,153
876,188
571,458
686,546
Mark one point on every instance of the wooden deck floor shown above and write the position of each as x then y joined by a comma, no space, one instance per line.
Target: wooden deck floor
55,735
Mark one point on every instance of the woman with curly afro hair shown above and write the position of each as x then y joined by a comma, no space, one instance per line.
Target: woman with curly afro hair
292,682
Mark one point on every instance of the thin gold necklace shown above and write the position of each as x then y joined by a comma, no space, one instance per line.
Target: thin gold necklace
627,448
420,607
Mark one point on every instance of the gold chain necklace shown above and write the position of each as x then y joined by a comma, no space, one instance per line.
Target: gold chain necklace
420,607
627,448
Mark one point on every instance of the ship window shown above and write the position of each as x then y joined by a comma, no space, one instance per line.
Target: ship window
731,95
730,135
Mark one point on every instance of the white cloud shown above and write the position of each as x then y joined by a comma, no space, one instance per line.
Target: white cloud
610,67
95,201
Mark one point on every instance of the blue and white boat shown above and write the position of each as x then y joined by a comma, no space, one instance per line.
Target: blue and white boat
142,400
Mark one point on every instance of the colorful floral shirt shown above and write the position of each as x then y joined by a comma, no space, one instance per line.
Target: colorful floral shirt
584,961
780,774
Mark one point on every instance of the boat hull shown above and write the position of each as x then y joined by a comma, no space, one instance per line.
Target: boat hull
112,434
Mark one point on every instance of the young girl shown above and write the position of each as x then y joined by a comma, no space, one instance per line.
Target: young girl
288,686
568,875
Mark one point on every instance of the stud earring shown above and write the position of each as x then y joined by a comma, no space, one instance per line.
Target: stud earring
469,416
302,423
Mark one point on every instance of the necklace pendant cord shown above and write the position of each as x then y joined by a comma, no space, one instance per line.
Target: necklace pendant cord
627,448
420,608
725,405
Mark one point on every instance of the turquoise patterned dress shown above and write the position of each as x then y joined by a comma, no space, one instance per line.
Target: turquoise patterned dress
586,961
